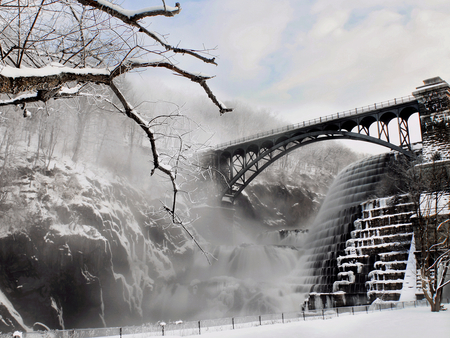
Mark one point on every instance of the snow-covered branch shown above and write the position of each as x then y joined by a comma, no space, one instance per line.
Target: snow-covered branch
132,17
47,81
66,49
125,15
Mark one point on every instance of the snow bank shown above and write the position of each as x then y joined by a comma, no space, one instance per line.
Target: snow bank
411,323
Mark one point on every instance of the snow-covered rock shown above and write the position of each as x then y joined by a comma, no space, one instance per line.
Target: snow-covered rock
78,249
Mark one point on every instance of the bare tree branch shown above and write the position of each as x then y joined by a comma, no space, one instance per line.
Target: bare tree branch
132,17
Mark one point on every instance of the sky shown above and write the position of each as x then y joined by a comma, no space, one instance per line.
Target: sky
302,59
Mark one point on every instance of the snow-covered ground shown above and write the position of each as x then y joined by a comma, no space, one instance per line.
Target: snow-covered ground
409,323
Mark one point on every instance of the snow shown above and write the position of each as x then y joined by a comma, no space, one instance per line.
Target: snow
10,308
49,70
409,285
408,322
131,13
73,90
401,323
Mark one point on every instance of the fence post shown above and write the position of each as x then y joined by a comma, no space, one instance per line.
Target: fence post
282,318
199,330
232,322
120,332
260,320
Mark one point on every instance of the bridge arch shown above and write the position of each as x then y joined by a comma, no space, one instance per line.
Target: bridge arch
248,159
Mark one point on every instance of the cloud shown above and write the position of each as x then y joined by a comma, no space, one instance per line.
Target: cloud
250,31
340,59
289,54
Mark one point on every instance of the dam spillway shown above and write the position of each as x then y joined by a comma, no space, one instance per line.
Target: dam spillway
333,273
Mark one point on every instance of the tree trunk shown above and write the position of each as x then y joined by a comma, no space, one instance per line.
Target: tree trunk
436,304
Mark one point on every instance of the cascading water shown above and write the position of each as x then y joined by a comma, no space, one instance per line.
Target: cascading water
246,279
331,229
273,272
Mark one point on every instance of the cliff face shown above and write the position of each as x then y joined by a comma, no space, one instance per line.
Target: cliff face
284,202
77,250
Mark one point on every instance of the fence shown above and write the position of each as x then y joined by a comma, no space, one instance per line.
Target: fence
209,325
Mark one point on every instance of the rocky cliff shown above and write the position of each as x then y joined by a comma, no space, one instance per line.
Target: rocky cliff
83,249
285,201
79,250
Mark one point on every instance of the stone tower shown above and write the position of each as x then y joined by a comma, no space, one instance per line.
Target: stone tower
434,102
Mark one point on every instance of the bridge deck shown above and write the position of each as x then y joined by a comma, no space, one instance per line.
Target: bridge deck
348,113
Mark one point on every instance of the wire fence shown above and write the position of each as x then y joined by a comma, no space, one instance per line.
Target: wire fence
190,328
347,113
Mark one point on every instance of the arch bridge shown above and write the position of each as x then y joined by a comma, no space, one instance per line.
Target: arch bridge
237,163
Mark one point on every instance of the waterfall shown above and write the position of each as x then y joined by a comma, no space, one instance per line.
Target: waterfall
272,273
331,229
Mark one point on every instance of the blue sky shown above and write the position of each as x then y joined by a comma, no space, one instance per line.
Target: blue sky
307,58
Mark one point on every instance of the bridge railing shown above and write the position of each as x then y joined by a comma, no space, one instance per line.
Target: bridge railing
351,112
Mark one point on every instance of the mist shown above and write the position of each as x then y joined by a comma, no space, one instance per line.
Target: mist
250,263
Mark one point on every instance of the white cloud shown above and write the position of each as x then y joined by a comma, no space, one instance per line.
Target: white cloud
378,54
338,54
250,31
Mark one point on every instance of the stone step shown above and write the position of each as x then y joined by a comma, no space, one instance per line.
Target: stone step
379,221
383,230
359,243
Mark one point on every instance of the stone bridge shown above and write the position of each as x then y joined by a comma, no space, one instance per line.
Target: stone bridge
237,163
